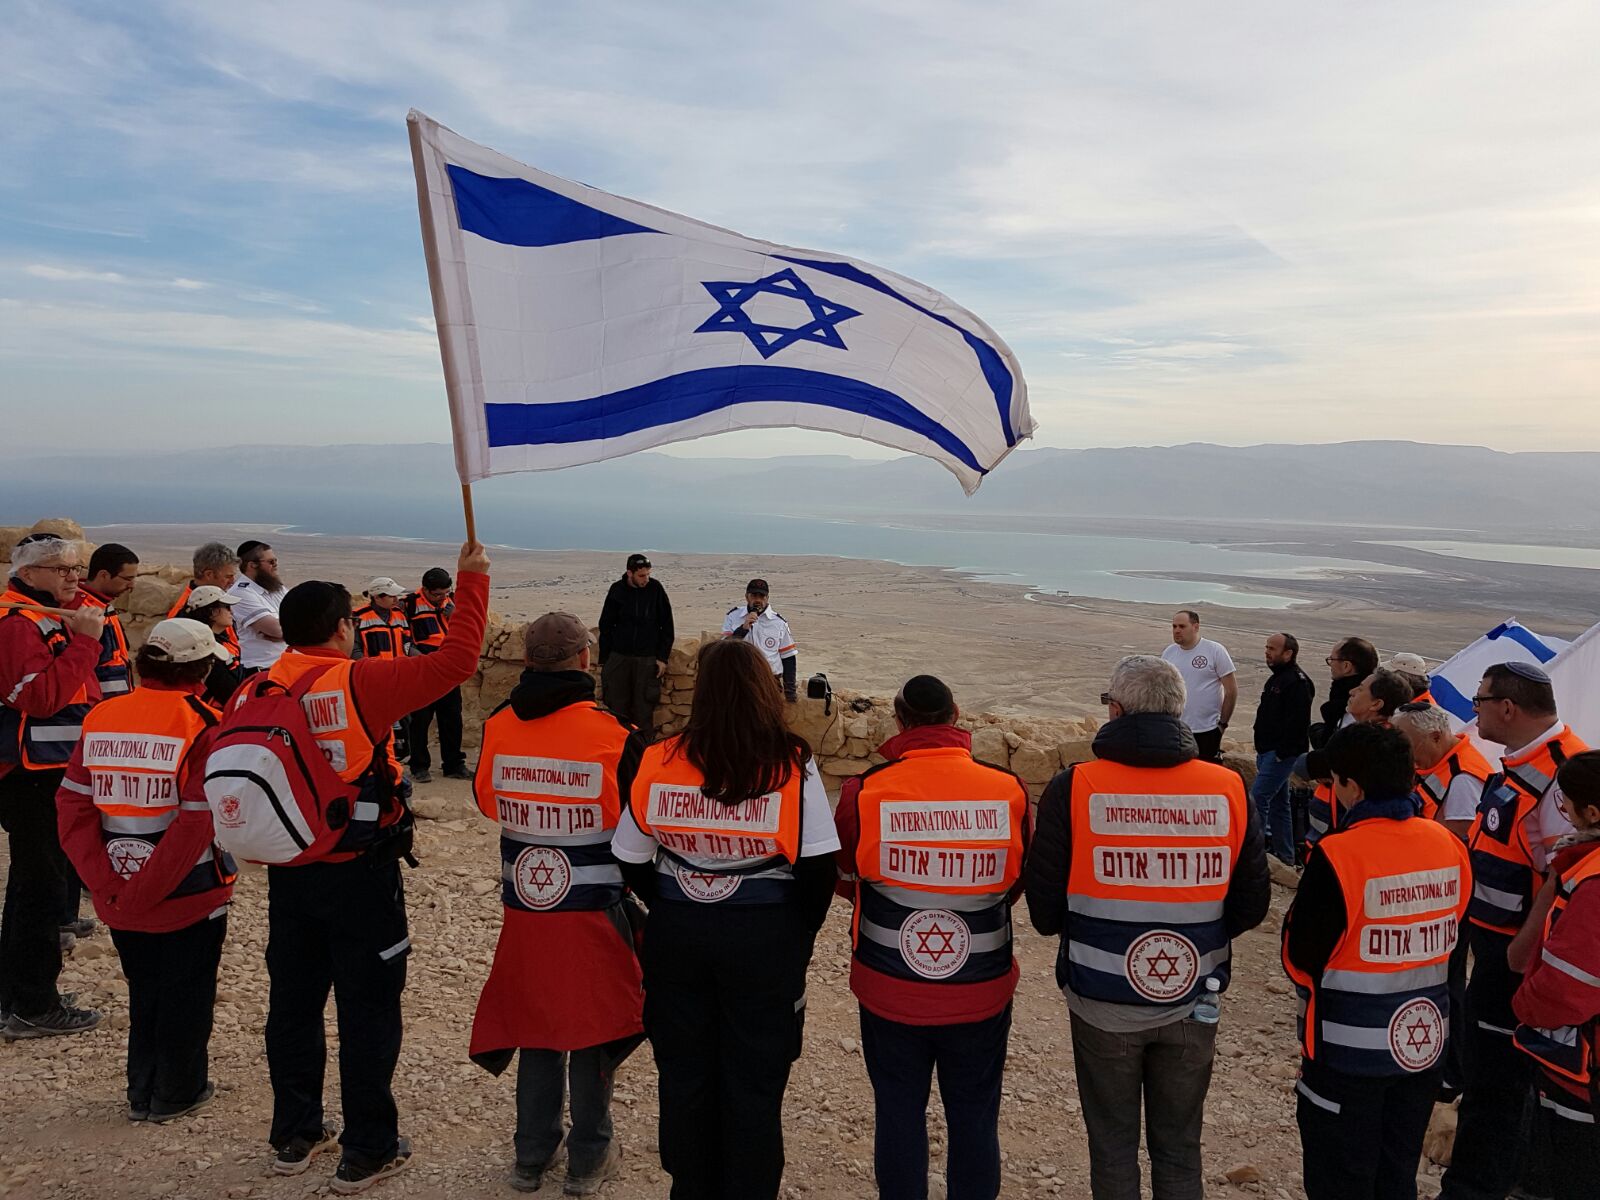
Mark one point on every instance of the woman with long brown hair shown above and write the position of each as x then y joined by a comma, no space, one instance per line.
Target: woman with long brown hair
729,837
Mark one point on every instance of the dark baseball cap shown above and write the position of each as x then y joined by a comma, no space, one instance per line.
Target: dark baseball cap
758,586
636,561
554,638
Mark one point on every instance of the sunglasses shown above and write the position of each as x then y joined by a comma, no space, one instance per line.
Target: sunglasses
1105,697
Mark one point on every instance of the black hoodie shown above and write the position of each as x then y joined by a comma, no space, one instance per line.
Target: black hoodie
1135,740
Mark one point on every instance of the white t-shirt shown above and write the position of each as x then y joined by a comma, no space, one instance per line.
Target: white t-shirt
817,832
770,635
255,652
1461,798
1545,825
1203,669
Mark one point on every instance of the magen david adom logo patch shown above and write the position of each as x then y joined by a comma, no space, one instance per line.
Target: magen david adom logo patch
935,943
1416,1035
1162,966
542,877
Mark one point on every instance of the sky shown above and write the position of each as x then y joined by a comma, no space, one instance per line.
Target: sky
1257,222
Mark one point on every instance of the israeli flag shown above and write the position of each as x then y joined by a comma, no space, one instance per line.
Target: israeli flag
1456,681
577,326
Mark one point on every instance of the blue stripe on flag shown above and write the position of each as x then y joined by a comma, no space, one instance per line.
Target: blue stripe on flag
1448,697
515,212
994,367
1526,639
691,394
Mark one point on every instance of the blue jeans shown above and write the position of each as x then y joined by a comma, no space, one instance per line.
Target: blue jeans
1270,792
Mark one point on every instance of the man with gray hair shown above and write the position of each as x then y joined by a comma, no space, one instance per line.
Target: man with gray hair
48,652
1147,862
215,565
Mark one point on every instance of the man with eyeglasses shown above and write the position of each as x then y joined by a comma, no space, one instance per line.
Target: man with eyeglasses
48,651
260,591
1510,842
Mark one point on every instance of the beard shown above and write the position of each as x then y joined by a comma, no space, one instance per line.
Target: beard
268,580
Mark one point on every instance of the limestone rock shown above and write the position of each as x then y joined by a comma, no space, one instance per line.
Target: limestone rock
171,574
10,535
436,806
150,596
1076,751
989,745
1034,763
1440,1140
1243,1173
62,527
1244,764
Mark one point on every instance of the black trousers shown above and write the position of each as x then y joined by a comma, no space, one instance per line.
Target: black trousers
1575,1147
72,895
172,991
1455,1054
340,926
30,924
1210,743
971,1060
1492,1137
447,709
724,989
630,688
543,1077
1361,1136
1162,1073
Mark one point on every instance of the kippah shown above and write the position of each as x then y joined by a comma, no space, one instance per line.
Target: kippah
926,694
1528,671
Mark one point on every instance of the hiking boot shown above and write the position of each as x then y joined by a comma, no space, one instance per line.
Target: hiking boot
351,1178
527,1177
138,1112
68,941
422,776
459,773
54,1022
83,927
590,1183
295,1155
160,1115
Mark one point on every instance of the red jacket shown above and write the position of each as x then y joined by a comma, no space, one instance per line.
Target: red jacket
32,680
1566,991
387,689
912,1002
144,902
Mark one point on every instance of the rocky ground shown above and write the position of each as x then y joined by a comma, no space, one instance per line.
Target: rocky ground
66,1135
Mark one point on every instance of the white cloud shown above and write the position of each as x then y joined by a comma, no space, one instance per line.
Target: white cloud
73,274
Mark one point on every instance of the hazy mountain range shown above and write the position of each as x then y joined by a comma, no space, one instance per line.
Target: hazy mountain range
1358,483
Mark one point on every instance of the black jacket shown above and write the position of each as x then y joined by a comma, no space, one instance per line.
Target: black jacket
1332,710
1139,740
1284,714
636,622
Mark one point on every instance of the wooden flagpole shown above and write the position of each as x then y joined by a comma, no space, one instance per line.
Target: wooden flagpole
54,612
430,252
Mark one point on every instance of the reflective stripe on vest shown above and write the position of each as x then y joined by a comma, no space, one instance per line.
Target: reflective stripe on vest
1503,876
1567,1053
41,743
552,784
136,749
382,634
1153,851
711,852
1382,1005
114,669
430,622
1319,813
1462,759
940,847
335,721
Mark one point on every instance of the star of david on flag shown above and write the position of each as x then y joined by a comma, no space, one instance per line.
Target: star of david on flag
576,326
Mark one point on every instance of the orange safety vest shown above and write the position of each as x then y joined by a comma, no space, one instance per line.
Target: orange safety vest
382,634
429,622
335,721
1462,759
552,784
1153,852
939,849
228,638
713,852
115,668
41,743
1567,1053
1503,876
136,751
1382,1003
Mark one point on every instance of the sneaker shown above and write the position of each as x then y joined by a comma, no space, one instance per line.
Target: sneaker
351,1178
459,773
83,927
160,1116
138,1112
61,1019
526,1177
295,1155
422,776
589,1184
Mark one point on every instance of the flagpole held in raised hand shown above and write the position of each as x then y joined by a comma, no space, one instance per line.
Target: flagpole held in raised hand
466,506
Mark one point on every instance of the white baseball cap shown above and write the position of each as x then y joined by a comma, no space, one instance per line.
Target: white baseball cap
207,595
383,586
181,640
1409,664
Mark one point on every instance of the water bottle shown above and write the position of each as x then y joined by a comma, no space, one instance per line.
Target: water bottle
1208,1009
